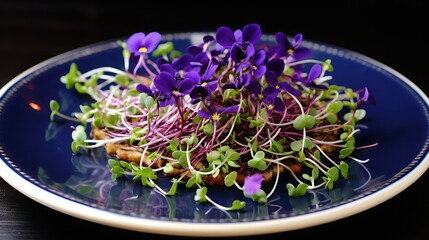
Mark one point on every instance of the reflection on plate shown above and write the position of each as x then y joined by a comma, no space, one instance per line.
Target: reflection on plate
36,158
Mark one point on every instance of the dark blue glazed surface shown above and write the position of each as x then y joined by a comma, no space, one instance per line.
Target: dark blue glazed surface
39,150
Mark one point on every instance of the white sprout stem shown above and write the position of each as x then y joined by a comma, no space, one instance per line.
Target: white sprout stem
326,156
359,160
102,69
157,187
304,61
276,182
216,204
327,106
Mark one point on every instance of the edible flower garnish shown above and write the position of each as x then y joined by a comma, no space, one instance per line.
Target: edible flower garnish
232,110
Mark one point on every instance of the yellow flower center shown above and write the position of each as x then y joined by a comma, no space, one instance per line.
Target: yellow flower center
290,51
175,92
260,96
203,84
215,116
142,49
205,46
270,106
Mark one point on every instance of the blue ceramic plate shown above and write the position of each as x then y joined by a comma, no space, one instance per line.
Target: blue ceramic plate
36,158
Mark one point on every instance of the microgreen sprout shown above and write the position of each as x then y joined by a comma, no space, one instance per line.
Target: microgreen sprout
226,112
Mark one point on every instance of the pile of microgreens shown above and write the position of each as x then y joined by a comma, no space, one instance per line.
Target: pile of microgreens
227,108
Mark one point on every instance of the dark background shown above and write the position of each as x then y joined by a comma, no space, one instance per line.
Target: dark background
392,32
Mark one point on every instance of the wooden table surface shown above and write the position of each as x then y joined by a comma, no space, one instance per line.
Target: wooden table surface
32,32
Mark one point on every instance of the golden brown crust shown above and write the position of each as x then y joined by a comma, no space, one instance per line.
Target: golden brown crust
131,154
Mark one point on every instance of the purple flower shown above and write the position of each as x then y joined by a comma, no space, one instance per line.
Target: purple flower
255,90
274,104
255,64
198,94
366,97
275,69
167,83
253,183
241,81
164,99
215,113
293,49
140,43
227,38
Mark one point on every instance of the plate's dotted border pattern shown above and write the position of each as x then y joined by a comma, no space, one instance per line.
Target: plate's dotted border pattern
27,76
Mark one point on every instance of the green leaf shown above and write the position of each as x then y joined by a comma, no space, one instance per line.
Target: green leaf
173,188
315,172
181,157
345,152
197,119
296,145
344,168
80,88
147,101
231,155
75,147
258,164
230,179
208,129
332,118
121,79
168,168
300,190
174,143
237,205
113,163
360,114
333,173
163,49
195,179
116,172
233,164
260,197
175,54
259,155
335,107
329,184
55,107
309,144
327,66
200,195
304,121
79,134
70,78
213,155
276,146
223,148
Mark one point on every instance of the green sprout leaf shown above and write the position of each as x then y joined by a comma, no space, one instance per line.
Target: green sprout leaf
55,107
173,188
230,179
200,195
298,191
344,168
304,121
260,197
147,101
163,49
237,205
